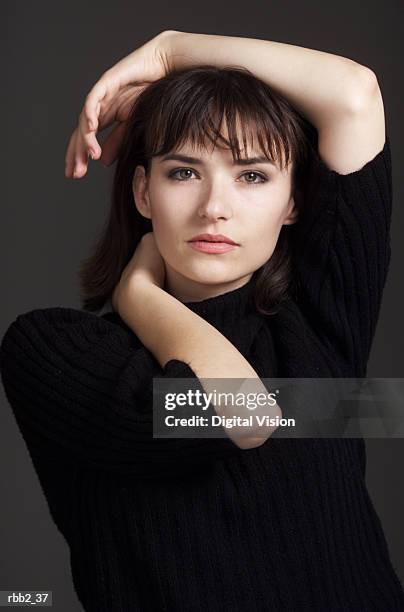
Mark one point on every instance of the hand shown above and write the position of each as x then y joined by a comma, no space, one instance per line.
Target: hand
146,264
111,99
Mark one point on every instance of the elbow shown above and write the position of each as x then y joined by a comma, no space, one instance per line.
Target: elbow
254,441
246,444
364,89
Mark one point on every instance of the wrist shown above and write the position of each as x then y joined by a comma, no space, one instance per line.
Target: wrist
130,289
168,48
182,49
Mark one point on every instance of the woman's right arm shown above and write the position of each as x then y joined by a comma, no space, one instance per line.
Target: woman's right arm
80,389
171,331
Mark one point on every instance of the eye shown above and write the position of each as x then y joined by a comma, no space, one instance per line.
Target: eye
248,174
251,172
172,174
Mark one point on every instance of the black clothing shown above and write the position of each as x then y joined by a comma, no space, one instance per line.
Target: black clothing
183,525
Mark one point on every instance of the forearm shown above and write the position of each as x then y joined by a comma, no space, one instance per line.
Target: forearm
317,83
170,330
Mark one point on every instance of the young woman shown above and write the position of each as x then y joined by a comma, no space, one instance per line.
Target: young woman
282,151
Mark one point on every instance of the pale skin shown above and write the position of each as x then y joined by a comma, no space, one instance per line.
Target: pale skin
340,97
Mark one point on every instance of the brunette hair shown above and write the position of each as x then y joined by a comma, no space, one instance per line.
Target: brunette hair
188,105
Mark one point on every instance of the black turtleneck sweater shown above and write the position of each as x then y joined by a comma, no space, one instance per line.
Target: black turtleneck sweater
182,525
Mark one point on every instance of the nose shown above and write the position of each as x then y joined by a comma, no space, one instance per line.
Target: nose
214,203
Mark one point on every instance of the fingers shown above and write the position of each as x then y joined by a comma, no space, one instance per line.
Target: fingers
91,106
82,144
103,105
76,158
87,136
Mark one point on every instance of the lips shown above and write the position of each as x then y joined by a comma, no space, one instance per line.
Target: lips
212,238
205,246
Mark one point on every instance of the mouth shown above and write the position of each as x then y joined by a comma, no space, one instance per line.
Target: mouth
210,246
214,238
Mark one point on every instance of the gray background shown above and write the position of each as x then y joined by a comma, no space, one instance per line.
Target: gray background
52,53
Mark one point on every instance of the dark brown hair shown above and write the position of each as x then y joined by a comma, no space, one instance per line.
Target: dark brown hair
189,105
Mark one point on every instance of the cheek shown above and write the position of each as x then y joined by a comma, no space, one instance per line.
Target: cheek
164,210
266,237
168,225
262,232
266,218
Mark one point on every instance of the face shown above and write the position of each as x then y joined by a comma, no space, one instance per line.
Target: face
193,191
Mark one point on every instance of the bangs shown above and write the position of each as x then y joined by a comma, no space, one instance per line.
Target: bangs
227,109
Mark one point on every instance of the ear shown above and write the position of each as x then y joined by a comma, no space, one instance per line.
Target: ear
140,192
292,212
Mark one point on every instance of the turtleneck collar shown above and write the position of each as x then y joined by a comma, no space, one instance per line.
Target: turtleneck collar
236,301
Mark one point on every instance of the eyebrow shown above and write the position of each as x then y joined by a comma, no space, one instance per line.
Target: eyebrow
195,160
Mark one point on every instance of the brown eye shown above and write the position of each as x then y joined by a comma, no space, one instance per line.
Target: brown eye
253,175
174,172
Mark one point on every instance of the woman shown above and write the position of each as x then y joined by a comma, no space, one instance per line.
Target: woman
262,523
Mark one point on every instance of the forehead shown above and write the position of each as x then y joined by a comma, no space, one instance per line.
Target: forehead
216,144
208,153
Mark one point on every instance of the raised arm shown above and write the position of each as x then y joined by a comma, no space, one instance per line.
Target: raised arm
340,97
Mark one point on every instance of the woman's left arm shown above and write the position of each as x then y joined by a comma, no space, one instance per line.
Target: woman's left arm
340,97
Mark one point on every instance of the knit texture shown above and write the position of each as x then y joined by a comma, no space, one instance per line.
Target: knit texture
181,525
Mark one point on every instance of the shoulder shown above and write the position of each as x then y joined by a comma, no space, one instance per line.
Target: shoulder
54,318
65,328
45,342
60,315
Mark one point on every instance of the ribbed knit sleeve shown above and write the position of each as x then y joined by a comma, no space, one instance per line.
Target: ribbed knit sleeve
79,386
343,254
